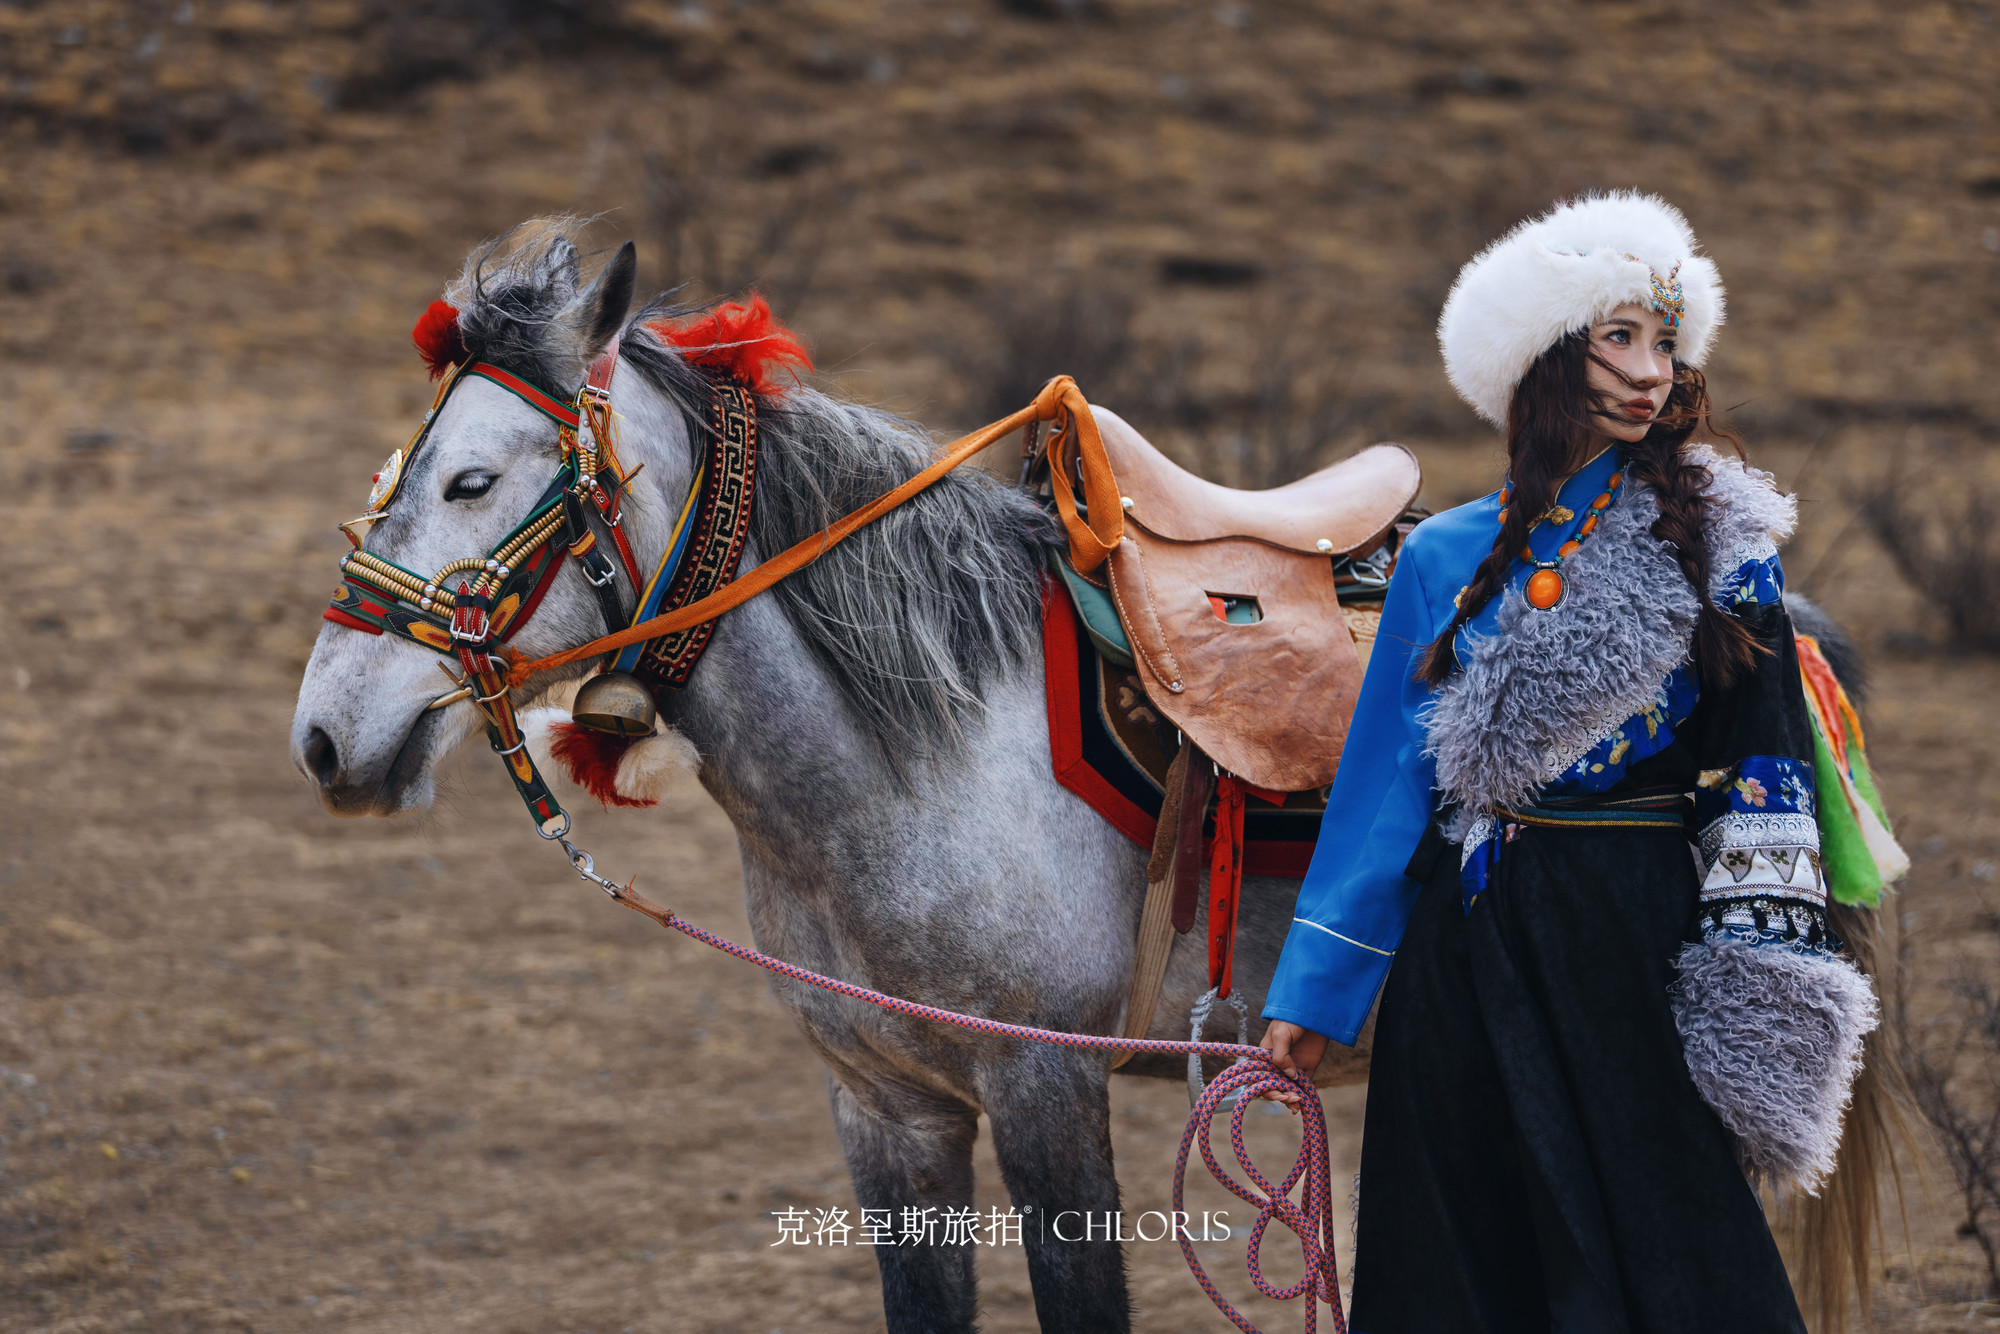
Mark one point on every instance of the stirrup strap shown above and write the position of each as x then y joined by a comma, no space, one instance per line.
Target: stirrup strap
1172,876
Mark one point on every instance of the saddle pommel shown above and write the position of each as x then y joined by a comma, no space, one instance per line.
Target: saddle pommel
1345,508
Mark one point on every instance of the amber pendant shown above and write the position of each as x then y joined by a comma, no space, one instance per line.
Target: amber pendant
1545,589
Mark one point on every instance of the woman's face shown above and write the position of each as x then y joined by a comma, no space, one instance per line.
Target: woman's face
1638,343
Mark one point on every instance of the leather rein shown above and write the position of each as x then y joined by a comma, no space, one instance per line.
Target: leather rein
695,583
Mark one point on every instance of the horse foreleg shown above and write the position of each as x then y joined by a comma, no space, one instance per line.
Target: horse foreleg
911,1152
1051,1119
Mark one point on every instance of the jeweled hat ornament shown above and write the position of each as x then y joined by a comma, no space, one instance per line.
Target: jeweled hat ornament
1563,271
1667,298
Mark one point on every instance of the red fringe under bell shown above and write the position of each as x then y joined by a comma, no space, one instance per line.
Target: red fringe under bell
592,758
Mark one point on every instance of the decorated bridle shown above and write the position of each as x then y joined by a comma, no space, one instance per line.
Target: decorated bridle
470,608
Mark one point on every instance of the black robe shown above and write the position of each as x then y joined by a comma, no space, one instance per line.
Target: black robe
1536,1156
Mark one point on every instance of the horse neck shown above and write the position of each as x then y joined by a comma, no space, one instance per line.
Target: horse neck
775,740
783,751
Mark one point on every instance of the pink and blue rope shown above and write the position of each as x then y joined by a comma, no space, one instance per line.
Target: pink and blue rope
1252,1074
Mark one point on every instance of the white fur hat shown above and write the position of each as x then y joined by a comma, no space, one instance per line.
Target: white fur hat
1564,271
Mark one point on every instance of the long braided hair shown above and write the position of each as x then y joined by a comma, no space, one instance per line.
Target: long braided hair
1550,427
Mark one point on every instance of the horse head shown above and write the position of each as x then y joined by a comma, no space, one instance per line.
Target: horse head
894,636
364,732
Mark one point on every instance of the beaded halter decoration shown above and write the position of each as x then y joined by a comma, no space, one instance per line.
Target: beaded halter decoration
1546,587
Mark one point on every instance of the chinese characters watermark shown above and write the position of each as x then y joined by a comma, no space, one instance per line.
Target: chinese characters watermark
932,1226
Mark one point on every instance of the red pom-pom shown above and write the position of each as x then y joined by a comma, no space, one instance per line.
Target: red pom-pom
437,338
742,338
592,757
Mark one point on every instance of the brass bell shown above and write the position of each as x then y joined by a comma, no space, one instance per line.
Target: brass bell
615,702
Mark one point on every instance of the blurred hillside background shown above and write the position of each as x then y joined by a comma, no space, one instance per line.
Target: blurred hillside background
260,1070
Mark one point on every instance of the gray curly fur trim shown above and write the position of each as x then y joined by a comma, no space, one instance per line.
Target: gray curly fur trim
1533,698
1749,512
1773,1040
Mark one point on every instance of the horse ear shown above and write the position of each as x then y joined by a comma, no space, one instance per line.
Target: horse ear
600,311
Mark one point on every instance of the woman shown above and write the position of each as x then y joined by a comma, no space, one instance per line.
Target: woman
1588,1037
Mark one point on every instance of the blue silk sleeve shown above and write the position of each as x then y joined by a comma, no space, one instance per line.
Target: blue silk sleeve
1356,901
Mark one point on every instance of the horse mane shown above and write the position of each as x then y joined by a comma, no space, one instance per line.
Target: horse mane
914,615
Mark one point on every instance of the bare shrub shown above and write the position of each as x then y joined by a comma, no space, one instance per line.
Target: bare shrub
1276,423
1294,409
1953,1070
1081,328
1939,522
729,214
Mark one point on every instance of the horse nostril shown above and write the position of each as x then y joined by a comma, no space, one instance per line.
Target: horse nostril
322,758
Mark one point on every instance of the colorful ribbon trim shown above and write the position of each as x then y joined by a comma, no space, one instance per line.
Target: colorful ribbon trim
545,404
663,575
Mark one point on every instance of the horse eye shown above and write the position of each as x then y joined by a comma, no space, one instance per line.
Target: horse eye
470,485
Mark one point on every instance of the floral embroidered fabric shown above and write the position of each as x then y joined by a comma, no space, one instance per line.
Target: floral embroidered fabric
1759,839
1754,581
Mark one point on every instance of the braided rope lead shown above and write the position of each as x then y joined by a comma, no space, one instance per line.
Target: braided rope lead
1312,1221
1251,1075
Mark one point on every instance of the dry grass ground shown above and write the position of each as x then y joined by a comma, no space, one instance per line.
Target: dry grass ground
264,1070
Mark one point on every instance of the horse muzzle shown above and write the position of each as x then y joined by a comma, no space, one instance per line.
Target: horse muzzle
353,780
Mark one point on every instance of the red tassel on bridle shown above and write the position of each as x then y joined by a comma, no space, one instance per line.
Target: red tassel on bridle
437,338
742,339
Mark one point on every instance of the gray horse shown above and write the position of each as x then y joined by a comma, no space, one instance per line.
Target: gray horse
875,728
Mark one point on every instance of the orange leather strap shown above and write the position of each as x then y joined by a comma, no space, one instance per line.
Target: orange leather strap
1077,447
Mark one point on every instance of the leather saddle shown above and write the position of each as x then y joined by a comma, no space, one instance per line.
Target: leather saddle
1231,606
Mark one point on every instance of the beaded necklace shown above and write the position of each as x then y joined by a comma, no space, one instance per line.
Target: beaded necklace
1546,587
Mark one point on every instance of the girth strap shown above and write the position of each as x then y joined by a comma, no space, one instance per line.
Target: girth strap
1172,884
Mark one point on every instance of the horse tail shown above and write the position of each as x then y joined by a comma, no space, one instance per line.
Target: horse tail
1833,1236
